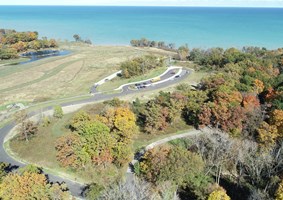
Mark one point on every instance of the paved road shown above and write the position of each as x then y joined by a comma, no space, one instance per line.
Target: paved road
74,187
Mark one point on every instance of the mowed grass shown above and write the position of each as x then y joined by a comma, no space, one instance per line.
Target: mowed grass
65,76
41,149
143,139
116,82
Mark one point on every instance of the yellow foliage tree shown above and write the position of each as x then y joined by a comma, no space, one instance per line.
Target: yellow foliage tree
276,119
259,86
279,192
267,135
125,122
219,194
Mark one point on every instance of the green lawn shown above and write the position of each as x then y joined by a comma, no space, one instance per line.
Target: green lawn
116,82
142,139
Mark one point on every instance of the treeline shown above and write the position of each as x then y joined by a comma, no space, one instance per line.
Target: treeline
12,43
143,42
183,51
141,65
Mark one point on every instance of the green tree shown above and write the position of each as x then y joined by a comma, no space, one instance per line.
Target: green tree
58,112
94,191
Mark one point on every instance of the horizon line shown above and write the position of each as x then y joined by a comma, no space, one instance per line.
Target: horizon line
115,5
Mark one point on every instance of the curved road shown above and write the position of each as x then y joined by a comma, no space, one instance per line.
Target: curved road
75,187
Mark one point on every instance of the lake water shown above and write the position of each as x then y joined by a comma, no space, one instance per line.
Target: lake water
198,27
38,55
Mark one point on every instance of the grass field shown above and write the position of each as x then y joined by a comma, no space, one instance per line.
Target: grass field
65,76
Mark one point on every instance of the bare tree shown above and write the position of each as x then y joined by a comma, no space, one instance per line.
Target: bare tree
137,189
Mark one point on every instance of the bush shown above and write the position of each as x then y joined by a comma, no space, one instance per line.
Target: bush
58,112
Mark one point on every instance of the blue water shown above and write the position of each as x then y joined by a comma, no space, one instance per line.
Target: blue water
198,27
38,55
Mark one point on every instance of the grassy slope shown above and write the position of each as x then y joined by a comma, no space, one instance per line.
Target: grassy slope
65,76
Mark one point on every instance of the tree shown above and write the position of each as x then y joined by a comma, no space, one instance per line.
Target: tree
276,119
219,194
66,147
138,189
27,128
279,192
3,170
79,120
30,186
267,135
183,52
156,118
97,143
177,165
58,112
93,191
77,37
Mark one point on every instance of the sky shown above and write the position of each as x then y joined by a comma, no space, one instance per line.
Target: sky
232,3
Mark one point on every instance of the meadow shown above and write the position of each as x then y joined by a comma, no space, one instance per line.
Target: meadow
64,76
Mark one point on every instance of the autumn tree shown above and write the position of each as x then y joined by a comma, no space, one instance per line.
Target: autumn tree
276,119
3,170
219,194
180,166
31,186
279,192
267,135
79,120
27,128
66,147
96,143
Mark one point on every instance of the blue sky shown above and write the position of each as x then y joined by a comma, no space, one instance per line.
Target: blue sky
238,3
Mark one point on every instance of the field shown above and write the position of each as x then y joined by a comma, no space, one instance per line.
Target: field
65,76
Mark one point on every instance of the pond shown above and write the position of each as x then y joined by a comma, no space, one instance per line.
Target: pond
37,55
